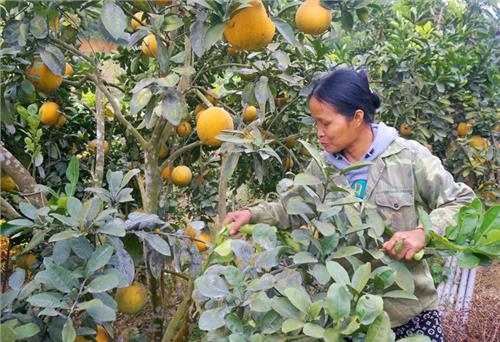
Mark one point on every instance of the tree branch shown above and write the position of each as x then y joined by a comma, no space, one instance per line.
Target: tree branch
8,210
118,113
179,152
22,177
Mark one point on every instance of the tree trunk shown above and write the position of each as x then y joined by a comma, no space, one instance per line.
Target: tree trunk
98,174
22,177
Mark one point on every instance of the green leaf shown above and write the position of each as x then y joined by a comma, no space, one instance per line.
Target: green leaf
361,277
45,300
304,258
102,313
58,277
316,309
173,106
270,322
332,335
103,283
368,308
26,331
306,179
286,309
212,286
467,260
99,258
399,294
491,222
113,19
156,242
338,302
299,297
213,319
346,251
337,272
320,273
403,278
259,302
224,249
296,206
263,283
75,209
291,325
356,166
362,14
313,330
7,333
233,323
67,234
53,58
113,228
264,235
68,331
213,35
233,275
140,100
286,31
16,280
72,174
380,330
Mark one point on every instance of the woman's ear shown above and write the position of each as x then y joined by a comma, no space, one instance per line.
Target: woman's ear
358,118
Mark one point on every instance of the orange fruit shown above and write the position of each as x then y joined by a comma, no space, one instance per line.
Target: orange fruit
211,123
49,113
131,299
162,2
288,163
290,142
42,77
184,129
405,129
191,232
206,238
462,129
232,51
249,114
163,151
92,145
101,336
7,182
251,28
68,71
211,96
181,175
165,173
26,260
478,142
149,45
138,21
311,17
62,120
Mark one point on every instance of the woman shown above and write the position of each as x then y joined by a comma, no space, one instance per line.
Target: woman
402,176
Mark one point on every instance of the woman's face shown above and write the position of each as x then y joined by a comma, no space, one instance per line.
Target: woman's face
335,131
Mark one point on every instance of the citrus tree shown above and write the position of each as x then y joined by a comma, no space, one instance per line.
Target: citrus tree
129,127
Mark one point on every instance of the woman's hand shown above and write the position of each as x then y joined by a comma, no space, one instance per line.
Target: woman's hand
240,218
412,241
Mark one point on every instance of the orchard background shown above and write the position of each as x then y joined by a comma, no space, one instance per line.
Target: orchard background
113,181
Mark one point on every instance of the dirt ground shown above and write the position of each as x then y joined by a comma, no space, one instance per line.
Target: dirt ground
483,324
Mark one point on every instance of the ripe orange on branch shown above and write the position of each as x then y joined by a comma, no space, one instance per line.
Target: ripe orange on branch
149,45
251,28
181,175
313,18
42,77
49,113
211,123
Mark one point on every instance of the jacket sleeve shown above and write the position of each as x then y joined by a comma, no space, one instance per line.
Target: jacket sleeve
275,214
437,190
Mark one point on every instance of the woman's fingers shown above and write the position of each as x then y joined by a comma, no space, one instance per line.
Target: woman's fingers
229,217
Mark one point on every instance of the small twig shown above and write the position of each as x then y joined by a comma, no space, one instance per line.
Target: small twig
179,152
177,274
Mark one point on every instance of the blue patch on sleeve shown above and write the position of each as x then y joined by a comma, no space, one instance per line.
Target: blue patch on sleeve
359,187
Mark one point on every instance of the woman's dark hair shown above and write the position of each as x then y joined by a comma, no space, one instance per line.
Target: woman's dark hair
347,91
